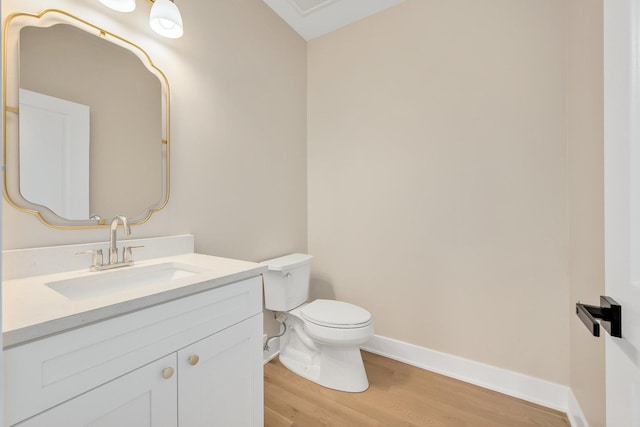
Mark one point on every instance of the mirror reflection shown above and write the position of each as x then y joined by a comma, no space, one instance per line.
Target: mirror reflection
90,127
86,123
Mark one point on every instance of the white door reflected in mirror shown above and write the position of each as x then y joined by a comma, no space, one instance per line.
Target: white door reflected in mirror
54,154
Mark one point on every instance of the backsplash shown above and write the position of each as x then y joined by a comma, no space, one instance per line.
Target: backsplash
18,263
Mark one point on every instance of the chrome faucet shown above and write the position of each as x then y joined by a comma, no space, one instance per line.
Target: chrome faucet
127,257
113,247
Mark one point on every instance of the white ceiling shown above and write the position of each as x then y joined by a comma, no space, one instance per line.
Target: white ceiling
313,18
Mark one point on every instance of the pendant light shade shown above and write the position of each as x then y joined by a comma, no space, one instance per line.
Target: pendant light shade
165,19
120,5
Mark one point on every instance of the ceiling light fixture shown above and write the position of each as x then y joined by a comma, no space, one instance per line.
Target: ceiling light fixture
164,19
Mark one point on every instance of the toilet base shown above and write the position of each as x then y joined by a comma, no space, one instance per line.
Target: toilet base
338,368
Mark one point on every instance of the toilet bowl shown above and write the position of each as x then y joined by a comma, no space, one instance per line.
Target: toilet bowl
322,338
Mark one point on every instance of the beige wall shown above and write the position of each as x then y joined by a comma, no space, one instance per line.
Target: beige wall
586,192
437,177
455,180
238,122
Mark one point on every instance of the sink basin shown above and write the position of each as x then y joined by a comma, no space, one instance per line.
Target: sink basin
127,278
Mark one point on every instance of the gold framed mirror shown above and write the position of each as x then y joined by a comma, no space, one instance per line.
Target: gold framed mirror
86,123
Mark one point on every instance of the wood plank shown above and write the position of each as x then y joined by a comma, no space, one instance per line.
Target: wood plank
399,395
274,419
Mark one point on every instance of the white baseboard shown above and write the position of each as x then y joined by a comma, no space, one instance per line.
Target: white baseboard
574,412
535,390
531,389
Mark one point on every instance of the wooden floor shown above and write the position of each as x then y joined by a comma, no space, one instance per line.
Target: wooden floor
399,395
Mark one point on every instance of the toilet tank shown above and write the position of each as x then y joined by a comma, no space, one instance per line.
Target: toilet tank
286,283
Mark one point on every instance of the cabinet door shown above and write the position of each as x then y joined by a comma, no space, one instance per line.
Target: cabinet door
220,381
143,398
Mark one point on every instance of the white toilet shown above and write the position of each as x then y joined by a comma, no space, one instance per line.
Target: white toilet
322,338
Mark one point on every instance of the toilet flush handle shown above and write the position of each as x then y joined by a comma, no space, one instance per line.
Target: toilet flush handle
287,274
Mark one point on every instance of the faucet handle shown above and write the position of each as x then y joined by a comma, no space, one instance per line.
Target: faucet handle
96,257
127,255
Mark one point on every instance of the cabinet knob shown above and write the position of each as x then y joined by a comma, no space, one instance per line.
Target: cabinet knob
167,373
193,360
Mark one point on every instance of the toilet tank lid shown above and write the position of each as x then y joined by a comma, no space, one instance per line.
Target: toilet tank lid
287,262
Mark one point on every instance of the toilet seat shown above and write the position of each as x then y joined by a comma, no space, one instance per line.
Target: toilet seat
335,323
335,314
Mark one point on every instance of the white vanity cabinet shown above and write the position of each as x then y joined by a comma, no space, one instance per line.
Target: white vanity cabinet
220,380
191,362
143,397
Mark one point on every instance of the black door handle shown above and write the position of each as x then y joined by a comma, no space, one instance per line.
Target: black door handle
610,313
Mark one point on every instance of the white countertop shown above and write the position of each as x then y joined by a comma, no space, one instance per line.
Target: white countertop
32,310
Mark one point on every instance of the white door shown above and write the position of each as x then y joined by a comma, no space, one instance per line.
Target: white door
622,206
54,154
